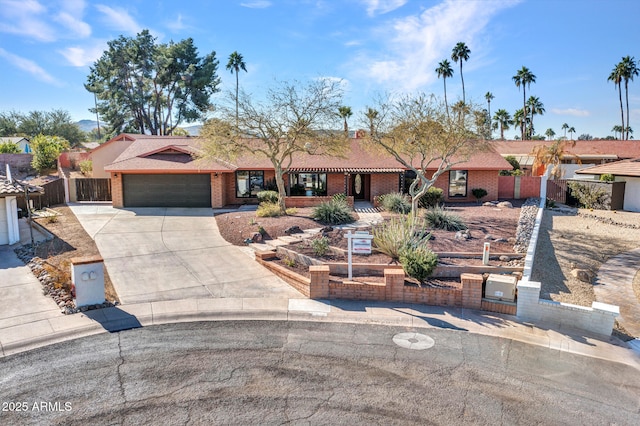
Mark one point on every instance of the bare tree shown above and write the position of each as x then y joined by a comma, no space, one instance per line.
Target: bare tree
417,131
294,118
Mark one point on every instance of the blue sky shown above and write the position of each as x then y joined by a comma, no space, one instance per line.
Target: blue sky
374,46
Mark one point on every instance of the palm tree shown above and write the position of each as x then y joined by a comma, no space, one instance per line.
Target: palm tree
571,131
459,53
235,64
565,126
616,77
617,129
520,119
503,119
524,77
489,97
629,70
535,108
550,133
445,71
345,112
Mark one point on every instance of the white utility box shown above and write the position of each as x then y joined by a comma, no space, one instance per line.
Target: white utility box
501,287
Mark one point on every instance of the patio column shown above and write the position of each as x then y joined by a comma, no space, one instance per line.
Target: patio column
346,183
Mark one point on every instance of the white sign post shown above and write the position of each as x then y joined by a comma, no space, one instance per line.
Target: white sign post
358,243
485,254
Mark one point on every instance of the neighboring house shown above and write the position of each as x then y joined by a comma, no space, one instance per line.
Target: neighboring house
161,171
582,154
23,143
624,171
9,193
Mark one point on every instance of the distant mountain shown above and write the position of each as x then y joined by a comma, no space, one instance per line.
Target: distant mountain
89,125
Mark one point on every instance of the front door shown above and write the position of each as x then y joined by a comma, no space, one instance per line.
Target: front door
358,186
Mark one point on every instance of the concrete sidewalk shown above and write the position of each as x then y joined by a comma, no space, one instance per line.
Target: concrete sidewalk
35,330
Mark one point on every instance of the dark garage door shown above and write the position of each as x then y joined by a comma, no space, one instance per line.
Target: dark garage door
167,190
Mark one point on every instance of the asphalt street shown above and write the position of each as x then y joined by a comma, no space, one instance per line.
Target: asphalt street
310,373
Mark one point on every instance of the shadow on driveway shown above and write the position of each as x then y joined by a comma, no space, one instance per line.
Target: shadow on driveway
114,319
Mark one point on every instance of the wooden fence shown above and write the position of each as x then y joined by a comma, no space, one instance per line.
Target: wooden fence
53,195
93,189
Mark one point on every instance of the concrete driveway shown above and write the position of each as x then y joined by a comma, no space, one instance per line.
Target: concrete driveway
155,254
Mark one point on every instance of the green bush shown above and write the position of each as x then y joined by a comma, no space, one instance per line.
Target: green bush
418,262
397,234
395,202
439,218
320,246
479,193
46,150
268,210
9,148
86,167
432,198
268,196
333,213
607,177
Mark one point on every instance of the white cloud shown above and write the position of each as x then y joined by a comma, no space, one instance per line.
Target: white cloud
80,56
380,7
177,24
30,67
74,24
414,45
25,17
574,112
119,19
257,4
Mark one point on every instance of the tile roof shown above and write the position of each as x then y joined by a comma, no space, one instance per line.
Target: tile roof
594,149
14,189
146,154
629,168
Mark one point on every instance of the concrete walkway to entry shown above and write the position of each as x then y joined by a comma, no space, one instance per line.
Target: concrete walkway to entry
368,215
157,254
614,285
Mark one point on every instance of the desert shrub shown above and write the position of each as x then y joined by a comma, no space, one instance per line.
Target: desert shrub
267,209
289,262
320,246
268,197
86,167
333,213
607,177
397,234
339,197
433,197
590,196
479,193
418,262
262,231
517,172
395,202
439,218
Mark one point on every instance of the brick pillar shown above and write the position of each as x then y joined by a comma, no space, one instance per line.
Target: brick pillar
394,285
217,196
528,297
117,199
319,286
471,291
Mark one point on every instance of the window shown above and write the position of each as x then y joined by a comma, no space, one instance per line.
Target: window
458,183
309,184
249,183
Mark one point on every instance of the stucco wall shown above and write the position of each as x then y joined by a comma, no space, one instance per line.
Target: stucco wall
106,154
631,194
4,227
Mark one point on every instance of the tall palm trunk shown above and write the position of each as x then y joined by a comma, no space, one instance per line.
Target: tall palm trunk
462,78
626,94
621,109
446,105
237,87
524,111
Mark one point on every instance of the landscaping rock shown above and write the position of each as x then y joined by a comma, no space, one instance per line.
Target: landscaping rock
505,204
504,258
293,230
256,237
500,240
583,275
463,235
526,222
488,237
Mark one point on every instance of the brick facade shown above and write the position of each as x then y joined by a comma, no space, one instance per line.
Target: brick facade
117,198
